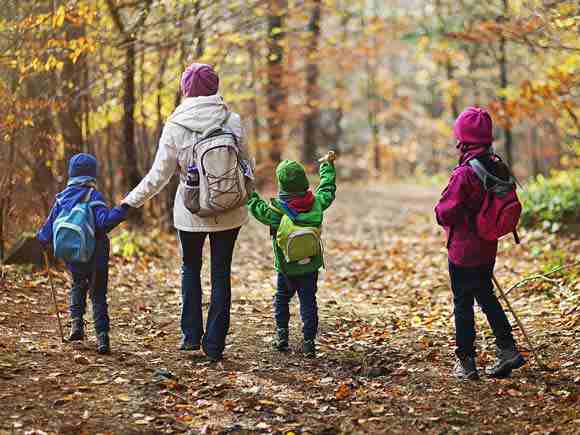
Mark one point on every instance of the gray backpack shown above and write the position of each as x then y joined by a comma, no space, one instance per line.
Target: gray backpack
224,175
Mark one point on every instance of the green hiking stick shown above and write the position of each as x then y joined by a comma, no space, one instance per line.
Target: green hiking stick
53,296
520,325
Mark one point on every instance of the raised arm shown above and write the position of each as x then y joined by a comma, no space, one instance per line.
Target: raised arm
163,168
326,191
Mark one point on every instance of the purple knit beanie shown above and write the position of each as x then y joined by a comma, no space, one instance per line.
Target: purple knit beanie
199,80
474,126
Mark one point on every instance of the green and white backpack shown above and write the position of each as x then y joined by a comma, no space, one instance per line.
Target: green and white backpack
298,243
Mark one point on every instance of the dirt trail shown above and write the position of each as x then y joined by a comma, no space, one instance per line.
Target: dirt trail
385,355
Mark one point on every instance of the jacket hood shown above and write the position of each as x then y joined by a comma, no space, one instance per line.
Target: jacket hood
200,113
72,195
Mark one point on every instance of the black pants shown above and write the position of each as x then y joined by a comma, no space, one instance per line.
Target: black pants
306,287
471,284
218,318
82,280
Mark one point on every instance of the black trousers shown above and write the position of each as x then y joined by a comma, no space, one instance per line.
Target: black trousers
470,284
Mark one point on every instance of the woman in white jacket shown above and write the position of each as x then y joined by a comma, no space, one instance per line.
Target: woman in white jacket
200,109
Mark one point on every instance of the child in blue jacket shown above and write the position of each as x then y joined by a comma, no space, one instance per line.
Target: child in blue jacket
82,174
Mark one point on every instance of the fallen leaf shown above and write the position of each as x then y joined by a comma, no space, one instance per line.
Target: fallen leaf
342,392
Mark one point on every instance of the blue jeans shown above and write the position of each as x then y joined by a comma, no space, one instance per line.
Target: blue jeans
83,280
471,284
218,318
306,287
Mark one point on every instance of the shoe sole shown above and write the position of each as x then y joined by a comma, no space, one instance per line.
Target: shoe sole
473,376
506,368
189,348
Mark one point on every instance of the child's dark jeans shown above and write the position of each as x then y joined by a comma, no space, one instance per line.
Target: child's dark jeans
218,318
306,286
471,284
82,281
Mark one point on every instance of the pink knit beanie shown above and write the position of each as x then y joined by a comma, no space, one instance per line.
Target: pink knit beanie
199,80
474,126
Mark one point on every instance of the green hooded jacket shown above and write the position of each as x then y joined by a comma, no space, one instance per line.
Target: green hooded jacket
271,214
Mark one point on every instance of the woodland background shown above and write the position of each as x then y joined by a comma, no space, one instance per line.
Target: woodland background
380,81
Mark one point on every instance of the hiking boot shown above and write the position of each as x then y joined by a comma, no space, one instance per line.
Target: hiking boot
77,331
465,369
281,341
309,349
213,359
103,344
507,359
187,345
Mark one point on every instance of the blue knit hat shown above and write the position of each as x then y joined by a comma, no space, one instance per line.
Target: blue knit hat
82,165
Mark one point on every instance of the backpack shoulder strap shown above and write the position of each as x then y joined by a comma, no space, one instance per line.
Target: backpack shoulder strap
227,118
489,180
480,171
276,209
88,195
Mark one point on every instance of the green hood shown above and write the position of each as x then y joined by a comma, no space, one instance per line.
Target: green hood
292,177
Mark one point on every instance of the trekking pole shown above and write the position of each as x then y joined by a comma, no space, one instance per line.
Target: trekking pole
53,296
520,325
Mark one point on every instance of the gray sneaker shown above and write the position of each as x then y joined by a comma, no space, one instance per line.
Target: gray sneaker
309,349
77,332
280,342
466,369
507,359
103,343
188,345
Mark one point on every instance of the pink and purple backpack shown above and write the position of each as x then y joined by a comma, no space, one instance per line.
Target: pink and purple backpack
501,208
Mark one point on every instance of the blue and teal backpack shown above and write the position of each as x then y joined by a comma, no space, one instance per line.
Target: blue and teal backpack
74,233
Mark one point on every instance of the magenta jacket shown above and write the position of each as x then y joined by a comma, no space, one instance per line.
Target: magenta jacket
455,211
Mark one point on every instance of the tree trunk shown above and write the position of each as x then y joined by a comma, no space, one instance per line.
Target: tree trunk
254,109
108,142
372,99
6,195
276,93
131,173
71,79
312,119
504,82
144,146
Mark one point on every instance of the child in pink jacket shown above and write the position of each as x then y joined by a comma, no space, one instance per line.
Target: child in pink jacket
472,259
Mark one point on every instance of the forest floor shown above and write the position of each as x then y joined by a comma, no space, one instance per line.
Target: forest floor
385,346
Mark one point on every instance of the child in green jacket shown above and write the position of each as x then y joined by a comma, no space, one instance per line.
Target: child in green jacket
295,221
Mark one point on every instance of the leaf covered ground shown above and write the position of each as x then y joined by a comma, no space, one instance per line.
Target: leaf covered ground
385,346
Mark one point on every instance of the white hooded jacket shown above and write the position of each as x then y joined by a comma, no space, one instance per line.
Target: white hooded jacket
191,118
